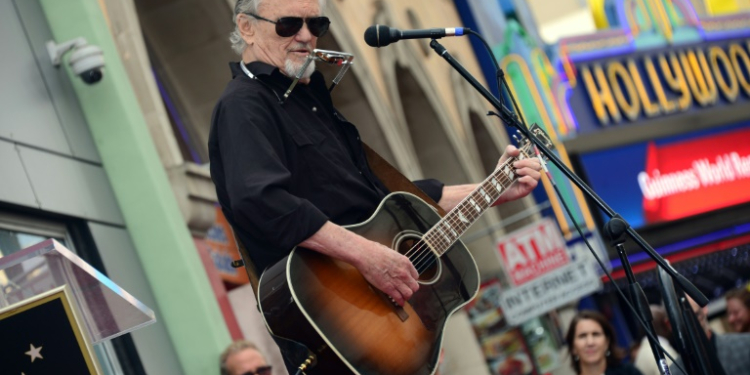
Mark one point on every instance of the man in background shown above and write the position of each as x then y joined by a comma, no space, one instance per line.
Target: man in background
731,349
243,358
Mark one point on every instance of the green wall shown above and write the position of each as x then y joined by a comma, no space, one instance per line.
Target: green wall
164,245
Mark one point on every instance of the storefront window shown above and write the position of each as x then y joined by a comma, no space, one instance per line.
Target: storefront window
542,343
11,242
20,232
503,346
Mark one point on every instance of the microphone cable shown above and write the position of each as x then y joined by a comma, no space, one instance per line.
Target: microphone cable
498,71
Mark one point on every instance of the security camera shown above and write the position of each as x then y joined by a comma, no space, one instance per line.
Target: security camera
86,60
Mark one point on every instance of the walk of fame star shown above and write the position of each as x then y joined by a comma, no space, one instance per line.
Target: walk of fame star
34,353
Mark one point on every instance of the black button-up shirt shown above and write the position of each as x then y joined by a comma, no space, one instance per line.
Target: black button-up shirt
282,170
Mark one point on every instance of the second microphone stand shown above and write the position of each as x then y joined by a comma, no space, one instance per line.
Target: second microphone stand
510,119
615,230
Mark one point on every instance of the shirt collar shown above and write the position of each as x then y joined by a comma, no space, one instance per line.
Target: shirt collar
259,69
271,74
256,67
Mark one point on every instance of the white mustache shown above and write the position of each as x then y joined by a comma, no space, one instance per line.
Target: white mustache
301,46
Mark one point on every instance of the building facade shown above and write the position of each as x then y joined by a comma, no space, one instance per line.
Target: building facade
115,169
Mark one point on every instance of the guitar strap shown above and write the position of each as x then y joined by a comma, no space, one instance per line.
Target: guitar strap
393,179
252,273
388,175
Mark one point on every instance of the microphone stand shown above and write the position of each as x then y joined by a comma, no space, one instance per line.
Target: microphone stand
510,119
703,356
615,231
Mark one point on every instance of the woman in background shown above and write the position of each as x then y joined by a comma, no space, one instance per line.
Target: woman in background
591,342
738,309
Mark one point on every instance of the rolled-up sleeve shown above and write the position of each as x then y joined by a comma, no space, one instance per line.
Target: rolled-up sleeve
257,177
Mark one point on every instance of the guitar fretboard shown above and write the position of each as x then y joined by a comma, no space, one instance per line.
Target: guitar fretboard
455,223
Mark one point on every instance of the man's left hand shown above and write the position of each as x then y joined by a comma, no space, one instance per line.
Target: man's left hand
528,172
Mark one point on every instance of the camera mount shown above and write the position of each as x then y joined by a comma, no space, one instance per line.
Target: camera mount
86,60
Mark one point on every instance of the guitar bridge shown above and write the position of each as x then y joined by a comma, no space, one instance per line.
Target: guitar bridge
400,312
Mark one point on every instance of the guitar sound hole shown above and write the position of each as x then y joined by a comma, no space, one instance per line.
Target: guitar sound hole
423,259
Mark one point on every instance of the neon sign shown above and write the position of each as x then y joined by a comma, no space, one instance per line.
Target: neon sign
674,178
667,82
703,173
653,59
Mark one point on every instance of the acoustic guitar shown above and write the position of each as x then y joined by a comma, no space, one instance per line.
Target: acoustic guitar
353,328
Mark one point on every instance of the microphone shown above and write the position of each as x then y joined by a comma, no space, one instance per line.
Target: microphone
381,35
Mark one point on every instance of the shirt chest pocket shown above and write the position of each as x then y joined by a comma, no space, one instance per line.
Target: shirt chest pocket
321,162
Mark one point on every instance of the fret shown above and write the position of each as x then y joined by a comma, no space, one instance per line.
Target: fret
442,232
450,229
485,195
508,172
432,243
442,236
496,185
474,203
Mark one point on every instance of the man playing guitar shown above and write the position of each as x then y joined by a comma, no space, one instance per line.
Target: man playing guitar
294,174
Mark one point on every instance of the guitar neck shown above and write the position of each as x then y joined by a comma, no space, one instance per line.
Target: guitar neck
455,223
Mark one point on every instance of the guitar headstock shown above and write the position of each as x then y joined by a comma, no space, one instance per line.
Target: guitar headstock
525,144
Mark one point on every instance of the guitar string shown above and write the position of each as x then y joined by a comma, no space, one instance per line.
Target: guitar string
422,250
453,221
489,189
440,240
463,208
445,239
426,258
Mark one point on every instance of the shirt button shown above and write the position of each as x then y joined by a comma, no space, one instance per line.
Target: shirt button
360,172
315,109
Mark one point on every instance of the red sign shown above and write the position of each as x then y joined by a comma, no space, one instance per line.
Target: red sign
532,251
696,176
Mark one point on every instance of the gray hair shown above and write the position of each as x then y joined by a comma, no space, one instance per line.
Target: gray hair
238,345
242,6
249,6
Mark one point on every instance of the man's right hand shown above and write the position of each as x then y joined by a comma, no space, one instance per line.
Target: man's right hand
383,267
389,271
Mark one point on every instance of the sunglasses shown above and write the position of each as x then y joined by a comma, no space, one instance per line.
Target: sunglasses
265,370
288,26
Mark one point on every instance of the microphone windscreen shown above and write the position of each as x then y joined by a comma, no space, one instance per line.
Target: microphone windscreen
378,36
371,36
